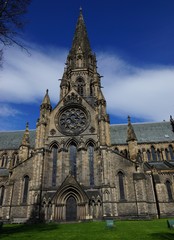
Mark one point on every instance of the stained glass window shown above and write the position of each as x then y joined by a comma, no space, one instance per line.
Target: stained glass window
2,190
121,185
171,152
169,191
91,163
25,189
73,156
154,157
54,171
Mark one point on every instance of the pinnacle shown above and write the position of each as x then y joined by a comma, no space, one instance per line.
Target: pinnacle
131,136
46,98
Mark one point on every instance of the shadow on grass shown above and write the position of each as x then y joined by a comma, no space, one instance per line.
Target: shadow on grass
14,229
163,236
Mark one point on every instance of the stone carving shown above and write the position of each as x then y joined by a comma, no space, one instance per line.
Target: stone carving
73,98
53,132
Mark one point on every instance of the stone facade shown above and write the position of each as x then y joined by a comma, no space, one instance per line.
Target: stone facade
76,166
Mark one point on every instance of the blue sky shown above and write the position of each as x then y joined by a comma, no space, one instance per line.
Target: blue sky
133,41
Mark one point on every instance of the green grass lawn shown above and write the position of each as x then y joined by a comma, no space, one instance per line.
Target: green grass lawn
123,230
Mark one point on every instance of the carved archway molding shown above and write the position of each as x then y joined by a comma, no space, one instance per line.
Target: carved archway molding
70,188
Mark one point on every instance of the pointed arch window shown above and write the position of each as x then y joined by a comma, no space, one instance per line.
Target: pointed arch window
116,150
91,163
148,155
54,162
15,159
153,152
91,89
25,189
80,86
121,185
171,152
159,155
73,156
2,190
169,190
4,160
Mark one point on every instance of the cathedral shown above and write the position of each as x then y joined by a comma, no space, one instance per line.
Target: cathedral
76,166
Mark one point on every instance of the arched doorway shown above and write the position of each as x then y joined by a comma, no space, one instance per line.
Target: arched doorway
71,209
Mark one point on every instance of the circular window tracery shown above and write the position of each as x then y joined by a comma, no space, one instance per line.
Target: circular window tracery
73,120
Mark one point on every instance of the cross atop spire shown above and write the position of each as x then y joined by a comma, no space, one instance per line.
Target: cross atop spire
80,40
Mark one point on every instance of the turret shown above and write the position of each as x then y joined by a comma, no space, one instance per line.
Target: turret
45,109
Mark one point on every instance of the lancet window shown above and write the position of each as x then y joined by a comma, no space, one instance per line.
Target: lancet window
171,152
80,86
54,162
73,156
91,163
2,190
159,155
25,189
153,152
148,155
169,190
121,185
15,159
4,160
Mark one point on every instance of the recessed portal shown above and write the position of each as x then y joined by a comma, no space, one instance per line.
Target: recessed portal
71,209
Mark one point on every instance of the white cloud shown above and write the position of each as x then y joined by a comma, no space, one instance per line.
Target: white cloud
144,93
25,77
6,110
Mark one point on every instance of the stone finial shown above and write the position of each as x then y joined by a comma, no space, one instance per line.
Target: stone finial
130,131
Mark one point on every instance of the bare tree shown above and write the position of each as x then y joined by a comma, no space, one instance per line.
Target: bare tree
11,21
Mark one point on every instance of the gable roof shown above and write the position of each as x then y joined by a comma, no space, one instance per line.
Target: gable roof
145,132
13,140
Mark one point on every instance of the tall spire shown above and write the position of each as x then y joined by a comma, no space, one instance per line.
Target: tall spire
80,40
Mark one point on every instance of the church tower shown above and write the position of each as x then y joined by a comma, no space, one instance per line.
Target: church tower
72,139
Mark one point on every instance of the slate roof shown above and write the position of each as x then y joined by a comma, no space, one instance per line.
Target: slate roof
163,165
145,132
12,140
